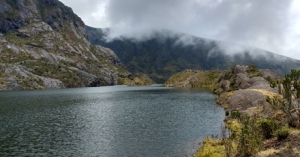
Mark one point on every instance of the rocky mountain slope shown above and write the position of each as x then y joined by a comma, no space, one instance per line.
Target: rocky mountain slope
43,44
166,53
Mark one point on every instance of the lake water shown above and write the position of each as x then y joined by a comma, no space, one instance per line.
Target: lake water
117,121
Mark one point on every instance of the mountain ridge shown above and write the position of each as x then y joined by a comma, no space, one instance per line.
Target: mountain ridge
162,55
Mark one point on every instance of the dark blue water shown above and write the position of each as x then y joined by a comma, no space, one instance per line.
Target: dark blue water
106,121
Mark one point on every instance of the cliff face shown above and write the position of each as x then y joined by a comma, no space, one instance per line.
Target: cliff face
43,44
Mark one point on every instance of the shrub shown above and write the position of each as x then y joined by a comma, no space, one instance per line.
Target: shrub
267,127
282,133
251,68
235,114
250,139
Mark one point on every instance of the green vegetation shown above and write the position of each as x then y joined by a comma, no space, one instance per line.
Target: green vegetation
9,56
194,78
249,133
282,133
268,127
253,71
211,148
136,80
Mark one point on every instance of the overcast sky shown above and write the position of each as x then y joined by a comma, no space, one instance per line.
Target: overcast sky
273,25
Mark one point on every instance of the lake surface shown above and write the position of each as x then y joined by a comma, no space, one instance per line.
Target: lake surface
117,121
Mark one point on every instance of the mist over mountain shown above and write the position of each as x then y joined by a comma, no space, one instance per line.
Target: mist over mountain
163,53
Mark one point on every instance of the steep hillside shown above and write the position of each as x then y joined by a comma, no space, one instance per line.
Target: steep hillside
167,52
43,44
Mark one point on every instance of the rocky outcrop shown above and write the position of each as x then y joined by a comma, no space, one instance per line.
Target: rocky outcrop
44,45
245,89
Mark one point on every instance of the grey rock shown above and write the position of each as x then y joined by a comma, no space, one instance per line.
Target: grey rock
81,66
225,85
242,80
63,70
48,45
244,99
74,31
71,47
107,81
108,54
33,29
4,7
13,85
8,71
240,69
261,83
48,56
115,78
61,48
51,83
32,53
15,49
83,73
269,73
21,72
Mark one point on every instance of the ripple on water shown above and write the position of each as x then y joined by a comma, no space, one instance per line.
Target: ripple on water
106,121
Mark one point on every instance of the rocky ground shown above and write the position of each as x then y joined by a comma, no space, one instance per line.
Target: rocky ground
252,103
250,97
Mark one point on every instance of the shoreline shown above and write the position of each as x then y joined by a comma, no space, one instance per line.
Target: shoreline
255,115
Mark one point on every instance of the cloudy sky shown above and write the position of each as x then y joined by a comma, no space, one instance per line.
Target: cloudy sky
273,25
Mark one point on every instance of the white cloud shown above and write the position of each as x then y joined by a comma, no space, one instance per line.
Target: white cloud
267,24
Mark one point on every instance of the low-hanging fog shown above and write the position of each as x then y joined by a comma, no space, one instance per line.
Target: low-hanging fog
269,24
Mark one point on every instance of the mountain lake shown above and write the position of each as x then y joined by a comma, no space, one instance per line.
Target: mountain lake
149,121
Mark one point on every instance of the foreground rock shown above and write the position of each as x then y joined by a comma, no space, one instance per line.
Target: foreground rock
260,119
246,90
